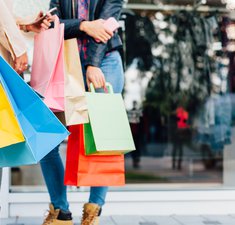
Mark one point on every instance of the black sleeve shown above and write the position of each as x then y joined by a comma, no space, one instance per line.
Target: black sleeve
96,51
71,25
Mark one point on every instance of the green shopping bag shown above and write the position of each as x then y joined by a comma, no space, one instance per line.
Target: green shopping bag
108,132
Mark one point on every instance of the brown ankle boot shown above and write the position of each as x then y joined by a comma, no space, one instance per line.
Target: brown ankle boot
90,214
57,217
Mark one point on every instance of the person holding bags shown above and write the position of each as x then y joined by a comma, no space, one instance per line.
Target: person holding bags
12,44
101,63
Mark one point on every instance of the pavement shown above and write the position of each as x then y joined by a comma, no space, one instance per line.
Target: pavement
153,169
141,220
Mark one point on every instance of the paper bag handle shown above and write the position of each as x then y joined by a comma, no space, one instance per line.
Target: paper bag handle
108,85
56,22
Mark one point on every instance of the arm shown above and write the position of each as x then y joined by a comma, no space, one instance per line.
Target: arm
37,24
72,26
13,40
75,28
96,51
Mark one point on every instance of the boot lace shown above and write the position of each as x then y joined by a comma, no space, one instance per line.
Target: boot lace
89,219
49,217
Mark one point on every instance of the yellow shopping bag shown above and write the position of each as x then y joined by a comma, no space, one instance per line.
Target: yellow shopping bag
10,132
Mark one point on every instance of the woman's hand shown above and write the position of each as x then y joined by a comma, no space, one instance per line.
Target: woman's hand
40,25
21,63
96,30
95,76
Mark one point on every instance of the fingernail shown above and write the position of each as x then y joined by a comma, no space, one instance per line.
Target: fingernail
105,89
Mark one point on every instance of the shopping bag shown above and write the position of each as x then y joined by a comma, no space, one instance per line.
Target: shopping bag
10,132
82,170
47,76
75,101
108,131
41,129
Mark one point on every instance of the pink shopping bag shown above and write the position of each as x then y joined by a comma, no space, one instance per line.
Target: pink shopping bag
48,66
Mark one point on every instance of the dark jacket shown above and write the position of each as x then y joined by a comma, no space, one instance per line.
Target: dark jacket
68,14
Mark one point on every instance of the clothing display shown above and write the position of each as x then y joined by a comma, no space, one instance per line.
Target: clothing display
214,127
185,61
180,53
180,63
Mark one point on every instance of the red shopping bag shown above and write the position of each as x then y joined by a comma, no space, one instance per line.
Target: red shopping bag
48,66
82,170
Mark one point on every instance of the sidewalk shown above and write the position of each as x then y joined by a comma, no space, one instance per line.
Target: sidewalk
142,220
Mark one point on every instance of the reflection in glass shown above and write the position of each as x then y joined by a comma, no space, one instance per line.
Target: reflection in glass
177,75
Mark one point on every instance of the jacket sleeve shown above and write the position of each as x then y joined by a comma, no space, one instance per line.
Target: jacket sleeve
96,51
71,26
10,36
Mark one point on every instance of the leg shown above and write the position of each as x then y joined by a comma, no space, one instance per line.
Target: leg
98,195
136,154
53,173
174,150
112,68
92,210
113,71
180,155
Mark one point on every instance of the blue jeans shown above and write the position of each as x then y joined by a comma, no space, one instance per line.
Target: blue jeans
52,166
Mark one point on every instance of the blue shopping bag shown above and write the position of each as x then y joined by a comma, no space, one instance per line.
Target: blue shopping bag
41,129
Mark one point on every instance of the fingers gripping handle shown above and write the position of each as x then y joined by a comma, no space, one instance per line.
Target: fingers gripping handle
56,22
108,85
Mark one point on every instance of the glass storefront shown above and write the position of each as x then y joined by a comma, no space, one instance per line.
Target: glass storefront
179,94
179,71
